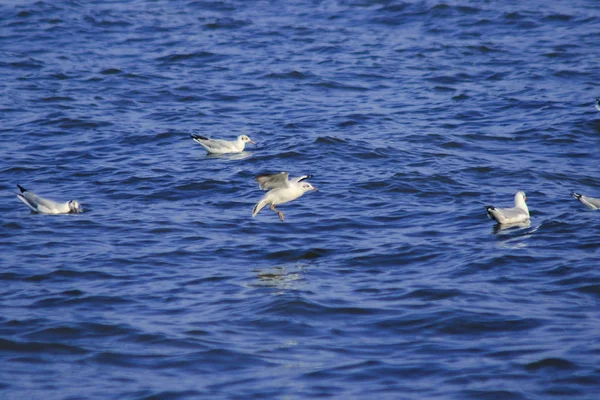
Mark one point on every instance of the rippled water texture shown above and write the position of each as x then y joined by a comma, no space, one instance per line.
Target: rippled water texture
389,283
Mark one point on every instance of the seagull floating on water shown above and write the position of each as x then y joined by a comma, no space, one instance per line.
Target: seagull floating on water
597,104
590,202
45,206
219,146
519,213
282,190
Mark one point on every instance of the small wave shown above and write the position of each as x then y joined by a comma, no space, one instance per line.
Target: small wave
295,255
106,22
212,6
202,55
55,99
328,140
339,86
73,123
40,348
551,363
24,64
111,71
227,23
296,75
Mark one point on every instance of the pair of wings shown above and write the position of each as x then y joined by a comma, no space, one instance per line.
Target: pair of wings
276,181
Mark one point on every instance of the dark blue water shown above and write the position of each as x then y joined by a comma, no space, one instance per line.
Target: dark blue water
389,283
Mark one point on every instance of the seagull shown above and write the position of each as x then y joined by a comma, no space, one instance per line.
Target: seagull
519,213
282,190
590,202
597,104
40,205
219,146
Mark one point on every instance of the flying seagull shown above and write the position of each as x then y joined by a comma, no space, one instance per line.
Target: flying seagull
45,206
590,202
219,146
519,213
282,190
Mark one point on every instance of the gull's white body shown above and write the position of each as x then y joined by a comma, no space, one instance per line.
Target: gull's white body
219,146
590,202
45,206
282,190
597,104
519,213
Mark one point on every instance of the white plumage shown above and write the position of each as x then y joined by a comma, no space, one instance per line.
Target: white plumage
219,146
519,213
45,206
282,190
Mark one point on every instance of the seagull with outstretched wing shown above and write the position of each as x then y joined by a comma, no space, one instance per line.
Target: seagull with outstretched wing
281,190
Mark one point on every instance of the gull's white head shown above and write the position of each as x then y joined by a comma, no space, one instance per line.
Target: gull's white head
307,187
245,138
520,196
75,207
521,201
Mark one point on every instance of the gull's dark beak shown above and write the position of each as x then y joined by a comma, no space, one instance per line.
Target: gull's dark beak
251,141
315,189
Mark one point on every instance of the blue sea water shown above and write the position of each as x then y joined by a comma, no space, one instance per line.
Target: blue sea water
389,283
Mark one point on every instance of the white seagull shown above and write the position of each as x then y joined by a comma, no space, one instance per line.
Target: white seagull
282,190
219,146
519,213
590,202
597,104
40,205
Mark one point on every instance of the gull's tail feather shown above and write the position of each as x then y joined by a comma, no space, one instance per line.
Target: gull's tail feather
259,206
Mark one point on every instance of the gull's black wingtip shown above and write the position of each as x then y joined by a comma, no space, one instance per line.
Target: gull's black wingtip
305,177
21,188
488,211
194,136
576,195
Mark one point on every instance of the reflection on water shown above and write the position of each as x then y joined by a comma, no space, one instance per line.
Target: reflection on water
514,236
232,156
499,228
280,277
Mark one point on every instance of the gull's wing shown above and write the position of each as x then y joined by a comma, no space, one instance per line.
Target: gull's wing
24,200
214,145
590,202
273,181
507,215
35,202
510,213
